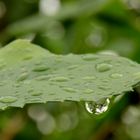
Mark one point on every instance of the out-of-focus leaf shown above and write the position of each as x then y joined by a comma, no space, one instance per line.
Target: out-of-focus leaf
39,22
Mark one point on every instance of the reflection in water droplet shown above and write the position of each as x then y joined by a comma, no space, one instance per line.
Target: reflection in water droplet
8,99
40,68
103,67
59,79
23,76
116,75
100,108
97,109
90,107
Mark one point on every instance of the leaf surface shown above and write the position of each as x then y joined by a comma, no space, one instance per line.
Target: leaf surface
31,74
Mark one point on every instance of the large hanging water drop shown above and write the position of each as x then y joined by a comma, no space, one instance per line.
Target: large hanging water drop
97,109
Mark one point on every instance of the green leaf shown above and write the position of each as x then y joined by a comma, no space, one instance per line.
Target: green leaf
31,74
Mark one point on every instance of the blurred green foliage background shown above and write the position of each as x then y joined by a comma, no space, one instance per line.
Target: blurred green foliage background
72,26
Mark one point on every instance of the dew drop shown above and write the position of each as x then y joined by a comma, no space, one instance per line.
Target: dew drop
23,76
116,75
40,68
103,67
89,57
8,99
97,109
36,93
59,79
68,89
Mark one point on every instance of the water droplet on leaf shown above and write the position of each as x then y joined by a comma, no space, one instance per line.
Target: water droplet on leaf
8,99
42,77
69,89
103,67
23,76
116,75
59,79
36,93
40,68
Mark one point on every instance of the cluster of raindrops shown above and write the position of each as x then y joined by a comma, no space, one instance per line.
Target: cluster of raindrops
97,109
42,72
